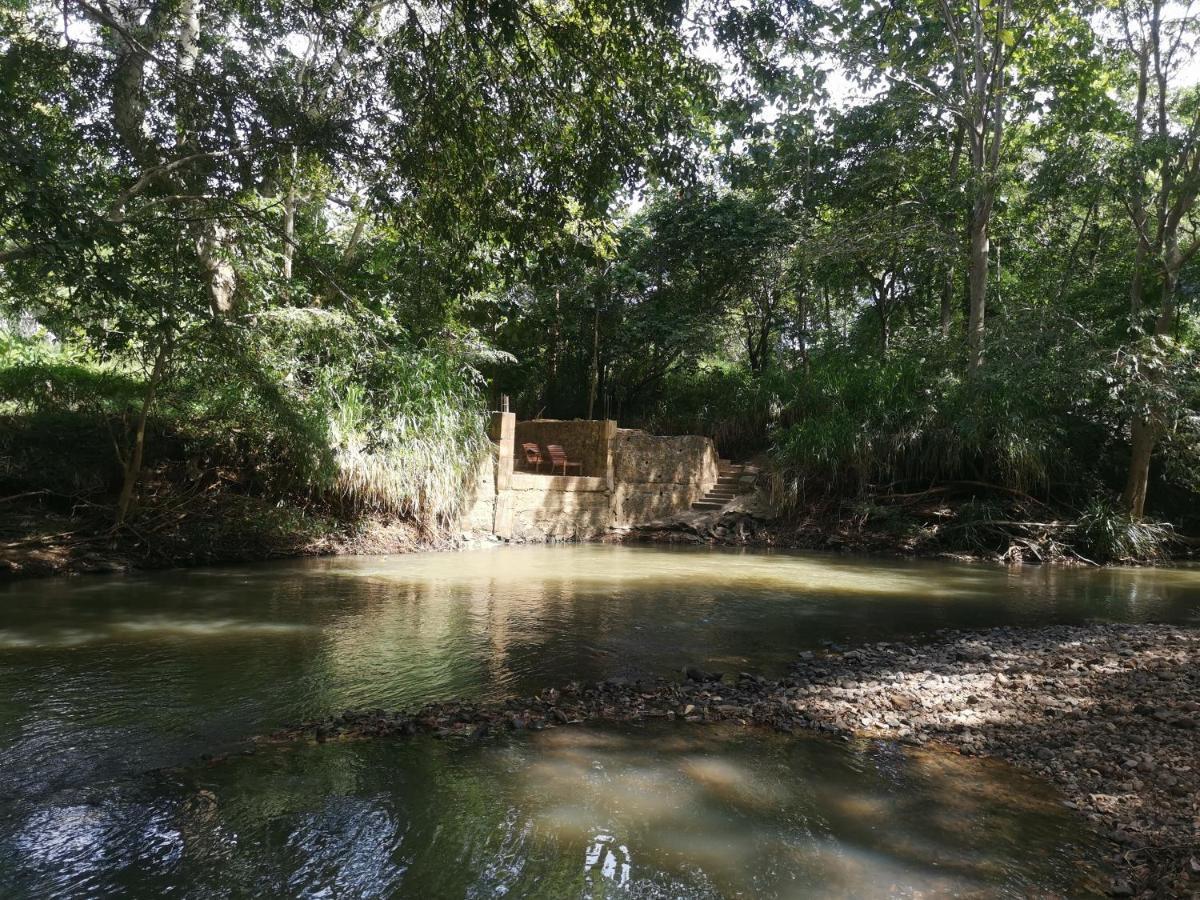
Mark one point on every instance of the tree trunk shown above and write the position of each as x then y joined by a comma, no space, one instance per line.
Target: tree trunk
1143,437
289,222
1140,215
883,289
1143,432
220,278
802,326
978,272
551,388
947,301
133,462
595,374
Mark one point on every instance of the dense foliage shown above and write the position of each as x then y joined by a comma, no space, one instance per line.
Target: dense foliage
269,226
894,247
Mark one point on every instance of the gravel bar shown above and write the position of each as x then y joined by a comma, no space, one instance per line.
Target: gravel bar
1108,713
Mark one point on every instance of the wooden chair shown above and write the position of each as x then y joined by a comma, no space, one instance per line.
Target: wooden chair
558,460
533,456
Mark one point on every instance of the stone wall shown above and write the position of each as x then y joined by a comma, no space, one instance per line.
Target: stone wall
642,458
558,508
629,478
480,507
656,477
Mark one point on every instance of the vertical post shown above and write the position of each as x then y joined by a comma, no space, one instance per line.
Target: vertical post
608,433
502,430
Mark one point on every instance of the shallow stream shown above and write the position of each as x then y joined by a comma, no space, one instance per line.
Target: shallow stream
105,680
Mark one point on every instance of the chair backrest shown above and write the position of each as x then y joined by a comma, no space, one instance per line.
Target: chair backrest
533,453
557,453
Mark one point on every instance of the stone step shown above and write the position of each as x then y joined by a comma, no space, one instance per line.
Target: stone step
706,504
719,495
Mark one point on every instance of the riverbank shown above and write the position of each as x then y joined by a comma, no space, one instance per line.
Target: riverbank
216,520
930,524
1107,713
41,540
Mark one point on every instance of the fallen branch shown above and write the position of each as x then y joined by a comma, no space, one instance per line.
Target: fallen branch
955,485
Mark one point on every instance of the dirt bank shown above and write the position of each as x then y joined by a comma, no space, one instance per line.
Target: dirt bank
39,540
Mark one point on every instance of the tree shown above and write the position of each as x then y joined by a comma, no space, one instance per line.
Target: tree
1163,189
180,167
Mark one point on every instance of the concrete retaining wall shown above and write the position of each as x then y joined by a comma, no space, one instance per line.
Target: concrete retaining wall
656,477
629,478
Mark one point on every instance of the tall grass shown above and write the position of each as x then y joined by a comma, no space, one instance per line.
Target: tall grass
1106,534
402,425
413,462
295,405
859,421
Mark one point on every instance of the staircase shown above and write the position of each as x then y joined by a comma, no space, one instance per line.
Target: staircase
732,479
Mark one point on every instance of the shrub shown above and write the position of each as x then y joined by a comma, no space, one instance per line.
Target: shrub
857,420
1105,534
301,404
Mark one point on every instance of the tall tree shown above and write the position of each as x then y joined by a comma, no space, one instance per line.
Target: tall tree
214,159
975,67
1159,40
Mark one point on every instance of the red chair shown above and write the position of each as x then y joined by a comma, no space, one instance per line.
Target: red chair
533,456
558,460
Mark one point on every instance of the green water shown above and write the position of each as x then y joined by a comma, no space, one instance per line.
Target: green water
104,680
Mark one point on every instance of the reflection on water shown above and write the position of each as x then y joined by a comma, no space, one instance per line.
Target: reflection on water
662,811
126,673
105,678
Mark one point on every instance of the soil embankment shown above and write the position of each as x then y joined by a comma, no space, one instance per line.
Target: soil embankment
204,528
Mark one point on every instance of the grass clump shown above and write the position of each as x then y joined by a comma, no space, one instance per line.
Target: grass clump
1106,534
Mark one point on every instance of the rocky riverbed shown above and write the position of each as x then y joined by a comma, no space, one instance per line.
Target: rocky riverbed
1108,713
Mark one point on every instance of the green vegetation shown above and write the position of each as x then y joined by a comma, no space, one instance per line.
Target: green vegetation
281,259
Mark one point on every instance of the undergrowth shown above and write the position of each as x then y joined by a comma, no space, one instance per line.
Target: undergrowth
304,409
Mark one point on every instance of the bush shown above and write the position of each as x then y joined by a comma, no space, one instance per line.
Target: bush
1020,423
725,402
301,404
1105,534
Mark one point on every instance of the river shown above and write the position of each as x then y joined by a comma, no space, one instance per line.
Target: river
114,689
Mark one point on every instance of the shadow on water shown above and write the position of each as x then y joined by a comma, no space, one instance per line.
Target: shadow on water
668,810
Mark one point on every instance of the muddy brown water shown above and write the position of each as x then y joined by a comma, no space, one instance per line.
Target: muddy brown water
103,681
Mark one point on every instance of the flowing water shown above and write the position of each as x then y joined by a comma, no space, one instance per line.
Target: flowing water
104,682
